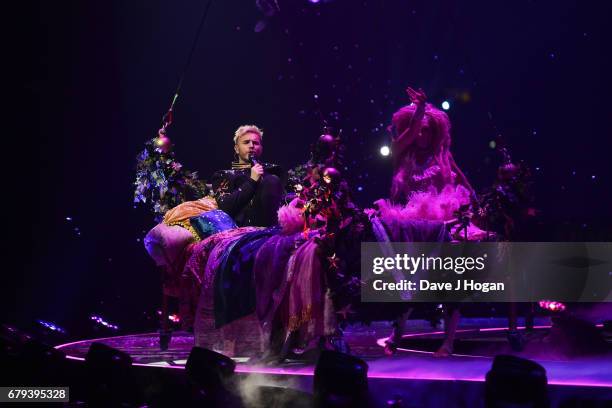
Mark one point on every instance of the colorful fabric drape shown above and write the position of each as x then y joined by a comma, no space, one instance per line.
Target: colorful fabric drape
234,279
180,215
188,209
203,265
270,271
309,310
211,249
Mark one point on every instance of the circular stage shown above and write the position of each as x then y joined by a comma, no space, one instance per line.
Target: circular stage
414,360
537,344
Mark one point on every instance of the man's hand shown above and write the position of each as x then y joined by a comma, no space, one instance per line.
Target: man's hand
257,171
417,97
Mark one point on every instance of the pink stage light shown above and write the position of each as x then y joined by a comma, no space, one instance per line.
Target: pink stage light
552,305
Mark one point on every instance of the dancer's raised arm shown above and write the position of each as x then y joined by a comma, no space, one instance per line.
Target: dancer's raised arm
407,137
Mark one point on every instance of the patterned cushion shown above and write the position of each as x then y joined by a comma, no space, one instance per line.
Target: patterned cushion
211,222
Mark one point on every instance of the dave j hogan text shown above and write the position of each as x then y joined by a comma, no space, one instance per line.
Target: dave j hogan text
469,285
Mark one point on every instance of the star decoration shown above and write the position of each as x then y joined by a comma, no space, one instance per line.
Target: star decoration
345,311
333,262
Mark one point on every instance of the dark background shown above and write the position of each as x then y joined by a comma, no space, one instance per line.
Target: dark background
97,77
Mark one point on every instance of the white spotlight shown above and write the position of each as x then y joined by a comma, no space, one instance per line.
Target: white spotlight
445,105
385,151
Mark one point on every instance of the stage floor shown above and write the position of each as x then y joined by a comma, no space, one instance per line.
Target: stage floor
412,369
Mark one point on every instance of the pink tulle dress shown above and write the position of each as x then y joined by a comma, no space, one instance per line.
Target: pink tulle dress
424,193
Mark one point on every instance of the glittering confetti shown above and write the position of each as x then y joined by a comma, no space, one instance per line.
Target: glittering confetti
103,323
51,326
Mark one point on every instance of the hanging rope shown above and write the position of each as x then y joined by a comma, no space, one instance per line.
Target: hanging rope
169,116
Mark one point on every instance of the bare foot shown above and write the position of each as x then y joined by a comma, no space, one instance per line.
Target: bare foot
390,348
443,351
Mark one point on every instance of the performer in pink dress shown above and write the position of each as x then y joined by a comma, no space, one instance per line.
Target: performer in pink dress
422,160
427,183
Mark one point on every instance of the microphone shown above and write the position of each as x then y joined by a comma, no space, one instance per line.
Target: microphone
253,159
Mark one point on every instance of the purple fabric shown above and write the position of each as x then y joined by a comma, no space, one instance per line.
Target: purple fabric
235,295
270,271
407,230
203,264
309,311
206,254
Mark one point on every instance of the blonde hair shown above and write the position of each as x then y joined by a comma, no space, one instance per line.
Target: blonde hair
244,129
440,140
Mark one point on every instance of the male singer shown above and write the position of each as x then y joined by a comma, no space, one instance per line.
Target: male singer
251,192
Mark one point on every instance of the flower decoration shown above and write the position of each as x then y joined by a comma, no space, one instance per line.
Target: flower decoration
161,181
